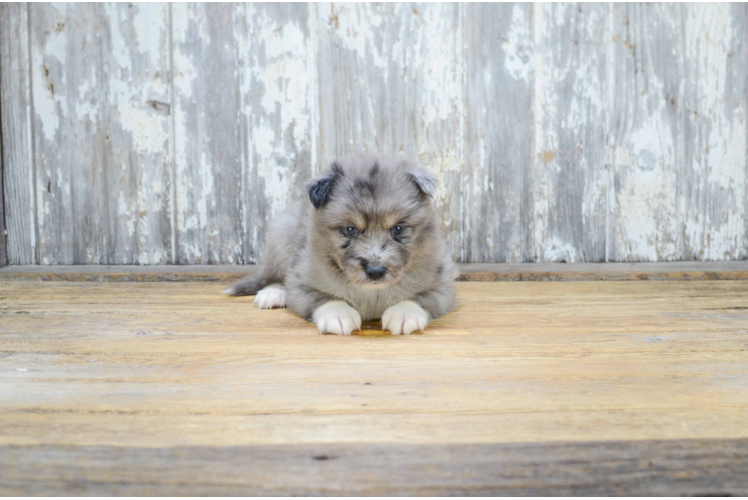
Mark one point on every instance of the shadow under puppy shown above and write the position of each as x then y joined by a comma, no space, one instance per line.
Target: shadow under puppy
368,246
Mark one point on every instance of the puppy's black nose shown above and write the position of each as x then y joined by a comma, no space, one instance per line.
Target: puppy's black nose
374,272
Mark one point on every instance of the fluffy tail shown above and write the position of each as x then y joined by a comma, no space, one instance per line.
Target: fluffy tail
248,286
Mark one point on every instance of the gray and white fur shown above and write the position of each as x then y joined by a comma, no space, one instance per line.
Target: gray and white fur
366,245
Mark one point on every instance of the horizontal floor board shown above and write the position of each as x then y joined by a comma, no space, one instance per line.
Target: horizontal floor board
713,467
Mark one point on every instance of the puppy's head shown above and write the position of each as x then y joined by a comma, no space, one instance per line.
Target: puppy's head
372,215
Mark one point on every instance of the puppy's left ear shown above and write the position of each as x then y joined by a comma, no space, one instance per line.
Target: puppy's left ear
426,181
319,189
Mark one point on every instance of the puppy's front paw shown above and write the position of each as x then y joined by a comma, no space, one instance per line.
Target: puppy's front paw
405,317
271,297
337,317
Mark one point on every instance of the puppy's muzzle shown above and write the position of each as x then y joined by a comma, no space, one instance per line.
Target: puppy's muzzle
374,272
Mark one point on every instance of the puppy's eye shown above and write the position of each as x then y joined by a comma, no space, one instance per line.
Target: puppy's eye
397,230
351,231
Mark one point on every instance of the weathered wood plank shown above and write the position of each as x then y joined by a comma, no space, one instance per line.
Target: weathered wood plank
3,233
498,128
646,133
136,127
713,468
565,182
101,93
390,79
209,41
279,75
17,160
66,60
624,271
638,468
244,83
714,200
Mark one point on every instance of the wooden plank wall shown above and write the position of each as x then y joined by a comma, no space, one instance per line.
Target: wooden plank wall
157,133
15,111
3,243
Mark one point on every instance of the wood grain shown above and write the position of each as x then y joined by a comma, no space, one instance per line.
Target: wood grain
605,386
646,134
71,181
715,103
3,234
642,468
499,83
207,42
100,83
565,185
279,89
16,111
137,140
246,71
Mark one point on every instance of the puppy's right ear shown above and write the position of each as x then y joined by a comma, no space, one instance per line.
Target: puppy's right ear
426,181
319,189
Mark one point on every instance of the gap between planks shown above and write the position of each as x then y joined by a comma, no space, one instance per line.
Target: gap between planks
618,271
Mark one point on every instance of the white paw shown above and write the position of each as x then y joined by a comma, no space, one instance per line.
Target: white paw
337,317
405,317
270,297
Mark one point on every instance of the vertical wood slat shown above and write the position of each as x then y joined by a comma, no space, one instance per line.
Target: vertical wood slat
207,131
137,137
101,93
646,133
17,160
3,234
65,68
565,185
280,96
498,124
715,103
390,79
3,239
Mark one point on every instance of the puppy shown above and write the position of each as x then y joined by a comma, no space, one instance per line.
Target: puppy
366,245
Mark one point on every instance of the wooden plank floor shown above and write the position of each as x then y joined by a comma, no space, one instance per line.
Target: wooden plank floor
530,388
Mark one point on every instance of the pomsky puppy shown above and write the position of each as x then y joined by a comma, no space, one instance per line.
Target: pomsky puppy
368,246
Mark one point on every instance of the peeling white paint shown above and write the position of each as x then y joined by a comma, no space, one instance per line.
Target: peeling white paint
50,106
559,251
715,228
678,176
284,71
543,109
185,76
518,57
284,75
357,27
646,201
644,208
125,212
206,191
136,94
